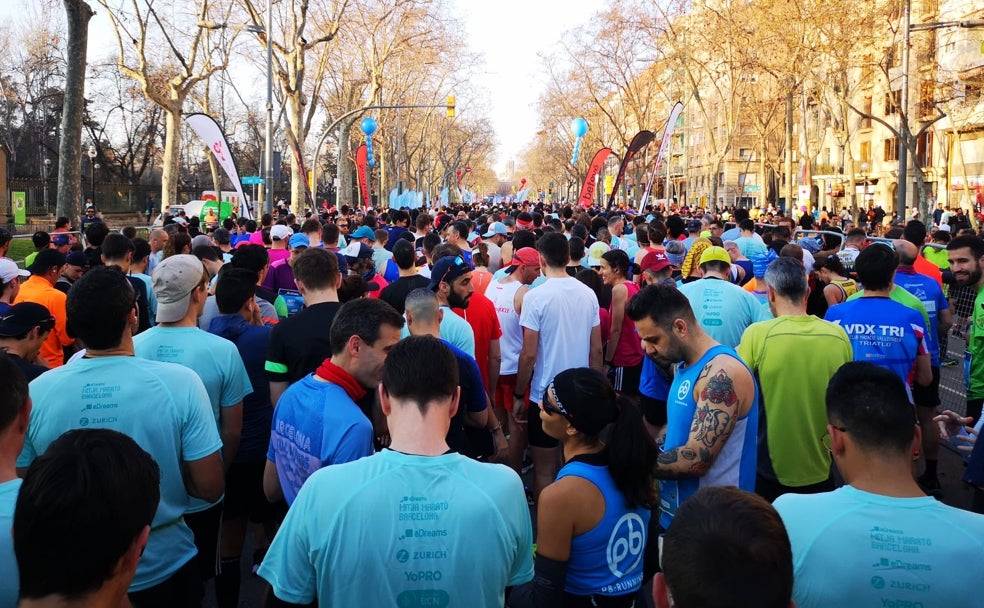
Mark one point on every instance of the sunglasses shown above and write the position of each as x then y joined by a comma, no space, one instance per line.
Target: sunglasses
458,261
555,409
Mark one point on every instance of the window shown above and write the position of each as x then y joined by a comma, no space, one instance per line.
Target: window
927,96
924,149
893,101
865,155
891,148
866,120
721,178
744,153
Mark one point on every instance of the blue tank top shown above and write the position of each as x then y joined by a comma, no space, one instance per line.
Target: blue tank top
735,463
606,560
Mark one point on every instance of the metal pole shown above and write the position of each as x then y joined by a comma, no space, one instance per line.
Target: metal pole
904,116
268,152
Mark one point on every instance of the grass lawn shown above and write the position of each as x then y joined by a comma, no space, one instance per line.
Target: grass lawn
19,248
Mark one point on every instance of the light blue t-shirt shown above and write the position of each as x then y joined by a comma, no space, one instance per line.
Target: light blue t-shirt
151,297
723,309
408,531
315,424
454,329
162,406
9,586
215,360
902,551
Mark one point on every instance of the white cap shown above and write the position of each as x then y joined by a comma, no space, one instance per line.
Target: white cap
9,271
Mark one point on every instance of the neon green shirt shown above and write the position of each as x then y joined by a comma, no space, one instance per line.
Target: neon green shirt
974,355
792,393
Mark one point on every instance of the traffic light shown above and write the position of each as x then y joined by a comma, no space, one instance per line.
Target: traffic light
450,107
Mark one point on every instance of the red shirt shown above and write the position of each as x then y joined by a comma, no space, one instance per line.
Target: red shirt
931,270
484,321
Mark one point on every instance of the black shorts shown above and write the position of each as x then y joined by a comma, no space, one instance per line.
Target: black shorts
537,438
206,526
625,380
244,495
928,396
183,588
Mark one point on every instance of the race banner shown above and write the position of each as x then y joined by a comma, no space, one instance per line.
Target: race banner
361,162
591,177
640,141
210,132
664,147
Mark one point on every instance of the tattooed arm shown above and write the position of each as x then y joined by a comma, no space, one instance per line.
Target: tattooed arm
724,392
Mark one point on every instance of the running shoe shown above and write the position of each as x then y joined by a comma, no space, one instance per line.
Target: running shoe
948,362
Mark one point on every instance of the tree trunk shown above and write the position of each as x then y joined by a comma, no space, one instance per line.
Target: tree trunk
343,167
788,168
172,143
69,203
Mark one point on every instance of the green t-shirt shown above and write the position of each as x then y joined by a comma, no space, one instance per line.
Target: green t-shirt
974,356
792,395
937,257
904,298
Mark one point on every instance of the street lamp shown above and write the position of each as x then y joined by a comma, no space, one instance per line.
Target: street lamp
92,174
44,178
268,143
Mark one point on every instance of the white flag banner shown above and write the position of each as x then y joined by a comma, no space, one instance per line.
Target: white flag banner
210,132
664,148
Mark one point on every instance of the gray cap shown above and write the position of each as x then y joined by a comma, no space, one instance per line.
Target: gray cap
173,281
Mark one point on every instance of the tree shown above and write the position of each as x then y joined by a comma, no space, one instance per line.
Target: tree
168,56
69,205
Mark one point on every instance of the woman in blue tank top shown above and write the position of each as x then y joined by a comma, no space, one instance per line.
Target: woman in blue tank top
593,521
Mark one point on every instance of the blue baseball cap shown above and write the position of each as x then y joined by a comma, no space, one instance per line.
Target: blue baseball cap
298,240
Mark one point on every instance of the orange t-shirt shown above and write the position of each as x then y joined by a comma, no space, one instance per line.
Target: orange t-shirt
40,291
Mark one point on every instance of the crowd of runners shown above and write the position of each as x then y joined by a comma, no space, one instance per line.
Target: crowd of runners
520,405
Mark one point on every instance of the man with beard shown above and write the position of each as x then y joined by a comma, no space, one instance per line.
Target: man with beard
451,281
712,406
324,418
965,254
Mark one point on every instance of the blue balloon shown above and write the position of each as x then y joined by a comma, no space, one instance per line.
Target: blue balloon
368,125
579,127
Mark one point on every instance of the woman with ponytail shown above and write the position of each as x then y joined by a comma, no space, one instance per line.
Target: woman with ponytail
593,521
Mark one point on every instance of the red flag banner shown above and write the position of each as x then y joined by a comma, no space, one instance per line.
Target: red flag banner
640,141
361,163
590,179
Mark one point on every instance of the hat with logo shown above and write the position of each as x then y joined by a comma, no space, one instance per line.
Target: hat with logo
357,251
494,229
364,232
298,240
173,282
22,318
279,232
715,254
447,269
46,260
9,271
654,261
584,397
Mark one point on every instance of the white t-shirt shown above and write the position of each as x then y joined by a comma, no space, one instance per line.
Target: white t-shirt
564,311
503,297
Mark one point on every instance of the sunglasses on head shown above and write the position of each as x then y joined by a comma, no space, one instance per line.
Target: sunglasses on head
555,409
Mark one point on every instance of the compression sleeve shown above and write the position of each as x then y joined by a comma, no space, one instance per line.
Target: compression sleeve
547,588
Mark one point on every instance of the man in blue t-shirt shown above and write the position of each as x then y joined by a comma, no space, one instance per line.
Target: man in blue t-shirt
15,412
929,292
880,537
417,524
325,418
881,330
180,283
423,313
164,407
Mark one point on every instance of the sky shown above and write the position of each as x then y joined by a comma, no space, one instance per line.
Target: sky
510,34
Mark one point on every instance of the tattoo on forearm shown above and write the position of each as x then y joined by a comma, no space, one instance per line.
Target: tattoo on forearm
720,389
687,453
667,458
710,425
